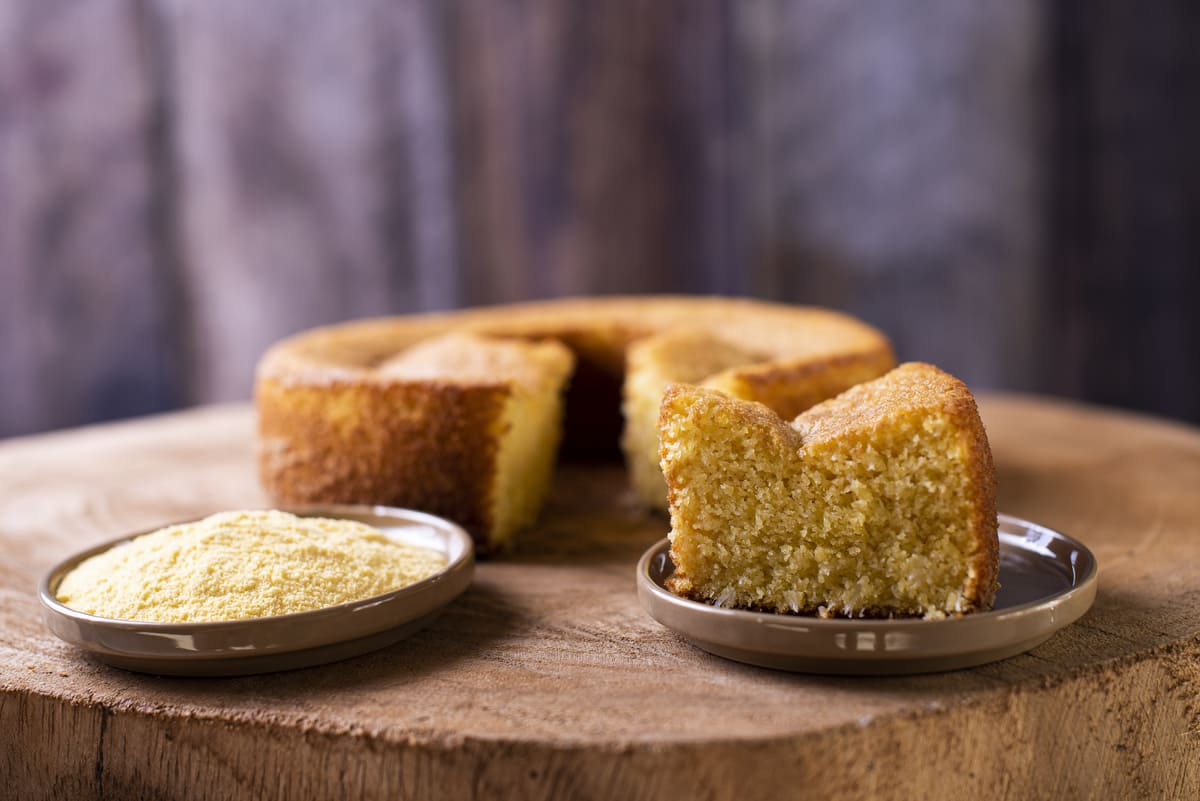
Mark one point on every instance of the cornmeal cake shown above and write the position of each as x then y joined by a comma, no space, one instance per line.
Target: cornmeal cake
879,502
371,412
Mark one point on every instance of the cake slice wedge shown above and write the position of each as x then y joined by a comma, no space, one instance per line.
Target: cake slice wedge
879,502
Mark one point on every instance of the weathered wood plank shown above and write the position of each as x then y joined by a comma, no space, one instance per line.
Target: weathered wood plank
1124,230
1007,189
86,312
313,149
593,148
892,171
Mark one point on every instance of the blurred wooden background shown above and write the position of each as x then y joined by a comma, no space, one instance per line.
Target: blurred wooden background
1011,190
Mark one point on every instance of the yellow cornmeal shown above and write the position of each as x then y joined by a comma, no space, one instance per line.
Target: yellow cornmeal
237,565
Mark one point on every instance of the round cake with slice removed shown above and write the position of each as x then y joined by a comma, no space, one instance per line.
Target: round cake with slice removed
879,502
371,412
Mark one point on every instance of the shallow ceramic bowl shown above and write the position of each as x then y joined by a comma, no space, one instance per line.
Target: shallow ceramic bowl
282,642
1047,581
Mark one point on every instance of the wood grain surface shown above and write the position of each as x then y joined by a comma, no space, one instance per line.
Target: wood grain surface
546,680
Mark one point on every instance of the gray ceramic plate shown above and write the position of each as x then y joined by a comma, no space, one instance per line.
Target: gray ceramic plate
1047,579
283,642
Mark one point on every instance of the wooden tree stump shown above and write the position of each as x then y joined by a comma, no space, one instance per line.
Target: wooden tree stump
546,680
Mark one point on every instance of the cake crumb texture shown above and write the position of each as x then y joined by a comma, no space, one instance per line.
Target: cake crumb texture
878,502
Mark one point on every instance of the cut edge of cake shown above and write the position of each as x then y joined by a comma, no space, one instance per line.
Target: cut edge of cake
653,364
528,429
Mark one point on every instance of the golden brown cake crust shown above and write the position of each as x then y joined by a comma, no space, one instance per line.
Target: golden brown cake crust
366,442
961,407
335,428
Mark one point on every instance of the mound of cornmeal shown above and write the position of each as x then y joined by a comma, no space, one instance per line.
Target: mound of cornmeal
879,502
237,565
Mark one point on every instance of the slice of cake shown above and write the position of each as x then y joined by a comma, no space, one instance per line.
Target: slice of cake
878,502
515,440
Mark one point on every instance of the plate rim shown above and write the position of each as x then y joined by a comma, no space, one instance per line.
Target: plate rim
653,595
457,573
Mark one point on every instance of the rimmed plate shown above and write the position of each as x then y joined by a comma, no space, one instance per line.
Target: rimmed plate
1047,581
282,642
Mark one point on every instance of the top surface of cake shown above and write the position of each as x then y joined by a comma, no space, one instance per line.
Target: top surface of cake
691,355
354,349
470,358
912,388
878,502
